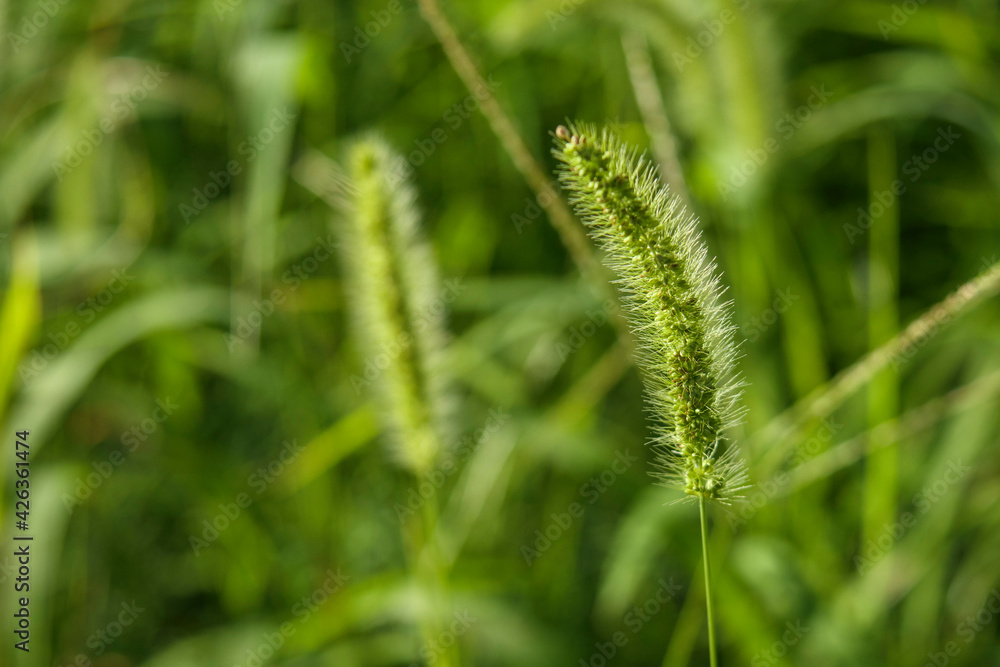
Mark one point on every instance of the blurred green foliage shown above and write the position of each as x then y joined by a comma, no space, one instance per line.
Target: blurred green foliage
160,252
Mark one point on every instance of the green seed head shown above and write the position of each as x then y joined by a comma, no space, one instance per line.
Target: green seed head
673,296
393,288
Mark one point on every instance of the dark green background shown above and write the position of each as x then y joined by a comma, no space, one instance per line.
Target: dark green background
82,374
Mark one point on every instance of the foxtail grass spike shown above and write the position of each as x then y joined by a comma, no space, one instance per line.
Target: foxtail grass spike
674,298
397,303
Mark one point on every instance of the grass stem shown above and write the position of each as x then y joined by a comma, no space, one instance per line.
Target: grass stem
825,399
708,583
649,98
570,232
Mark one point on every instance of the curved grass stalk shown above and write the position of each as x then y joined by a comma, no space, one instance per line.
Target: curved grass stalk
682,327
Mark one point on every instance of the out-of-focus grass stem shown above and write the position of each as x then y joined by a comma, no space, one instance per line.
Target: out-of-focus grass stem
883,323
649,97
828,397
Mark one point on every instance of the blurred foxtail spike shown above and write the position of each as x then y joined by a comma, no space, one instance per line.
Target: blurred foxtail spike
394,288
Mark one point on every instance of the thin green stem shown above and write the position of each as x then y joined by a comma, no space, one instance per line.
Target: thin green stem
431,571
708,583
825,399
649,97
570,232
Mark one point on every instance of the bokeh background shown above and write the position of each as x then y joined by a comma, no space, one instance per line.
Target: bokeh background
211,484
